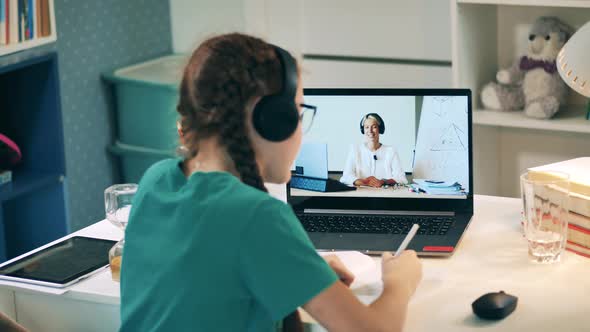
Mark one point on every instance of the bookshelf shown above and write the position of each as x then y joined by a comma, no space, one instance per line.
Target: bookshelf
488,35
13,47
32,205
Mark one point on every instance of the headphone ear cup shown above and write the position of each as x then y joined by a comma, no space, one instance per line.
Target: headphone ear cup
274,119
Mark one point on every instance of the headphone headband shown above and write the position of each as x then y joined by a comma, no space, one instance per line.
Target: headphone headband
376,116
276,117
289,70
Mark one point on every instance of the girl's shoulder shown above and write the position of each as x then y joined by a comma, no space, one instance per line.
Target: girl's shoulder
251,198
166,167
248,206
229,192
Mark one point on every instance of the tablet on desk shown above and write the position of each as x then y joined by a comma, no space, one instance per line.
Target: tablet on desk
61,264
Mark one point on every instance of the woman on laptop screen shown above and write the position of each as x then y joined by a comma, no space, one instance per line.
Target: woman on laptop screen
206,247
371,163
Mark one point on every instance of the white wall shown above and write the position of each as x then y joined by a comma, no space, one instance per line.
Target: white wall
193,21
345,74
417,30
401,29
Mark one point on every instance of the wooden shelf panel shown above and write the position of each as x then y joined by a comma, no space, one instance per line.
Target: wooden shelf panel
25,182
572,120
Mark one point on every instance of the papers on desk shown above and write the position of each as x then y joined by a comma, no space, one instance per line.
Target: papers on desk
367,273
437,187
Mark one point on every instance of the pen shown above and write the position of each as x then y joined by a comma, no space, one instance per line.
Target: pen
407,240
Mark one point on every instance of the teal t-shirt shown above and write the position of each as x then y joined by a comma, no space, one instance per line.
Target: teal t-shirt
209,253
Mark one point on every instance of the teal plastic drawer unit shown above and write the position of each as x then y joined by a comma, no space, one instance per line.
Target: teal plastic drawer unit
146,95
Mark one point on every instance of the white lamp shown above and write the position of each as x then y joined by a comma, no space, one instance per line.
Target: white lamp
573,61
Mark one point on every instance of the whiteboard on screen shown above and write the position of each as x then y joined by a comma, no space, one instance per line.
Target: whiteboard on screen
442,141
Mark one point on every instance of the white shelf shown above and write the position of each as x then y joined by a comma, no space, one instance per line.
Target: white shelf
11,48
488,35
532,3
569,121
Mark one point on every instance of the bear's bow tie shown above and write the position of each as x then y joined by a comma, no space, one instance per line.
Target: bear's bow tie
527,63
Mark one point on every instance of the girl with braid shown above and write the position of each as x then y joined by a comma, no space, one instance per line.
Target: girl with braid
207,249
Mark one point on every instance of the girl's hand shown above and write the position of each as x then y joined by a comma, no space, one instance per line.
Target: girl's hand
404,271
336,264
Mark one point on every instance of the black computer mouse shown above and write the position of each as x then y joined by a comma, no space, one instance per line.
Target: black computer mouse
494,305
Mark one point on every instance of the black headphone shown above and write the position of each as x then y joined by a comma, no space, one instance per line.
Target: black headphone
276,117
376,116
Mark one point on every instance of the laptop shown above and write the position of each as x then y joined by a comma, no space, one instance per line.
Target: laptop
408,153
311,170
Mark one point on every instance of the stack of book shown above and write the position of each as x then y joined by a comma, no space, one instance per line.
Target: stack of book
578,240
434,187
22,20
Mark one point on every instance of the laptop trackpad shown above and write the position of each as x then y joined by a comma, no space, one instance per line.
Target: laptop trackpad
351,241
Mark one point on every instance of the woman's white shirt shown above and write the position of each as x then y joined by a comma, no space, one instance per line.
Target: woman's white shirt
361,164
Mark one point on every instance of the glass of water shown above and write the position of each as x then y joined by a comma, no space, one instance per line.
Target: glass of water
118,200
545,198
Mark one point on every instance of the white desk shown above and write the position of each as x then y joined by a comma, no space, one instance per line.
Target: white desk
90,305
491,257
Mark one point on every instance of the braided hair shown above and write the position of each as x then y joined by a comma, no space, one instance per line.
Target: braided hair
223,75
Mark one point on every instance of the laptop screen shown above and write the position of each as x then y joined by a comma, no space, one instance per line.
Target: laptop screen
312,161
386,144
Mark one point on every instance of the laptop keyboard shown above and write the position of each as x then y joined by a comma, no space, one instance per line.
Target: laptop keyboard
376,224
308,184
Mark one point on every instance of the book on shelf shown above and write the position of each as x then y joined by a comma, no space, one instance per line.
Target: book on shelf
13,21
24,14
37,21
27,20
3,21
44,19
579,199
20,20
23,20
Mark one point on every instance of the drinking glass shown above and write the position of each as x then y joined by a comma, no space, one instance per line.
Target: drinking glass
545,198
118,200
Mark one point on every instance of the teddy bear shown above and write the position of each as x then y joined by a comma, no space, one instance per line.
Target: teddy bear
532,83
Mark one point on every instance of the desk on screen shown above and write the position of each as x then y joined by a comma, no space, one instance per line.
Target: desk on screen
400,192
